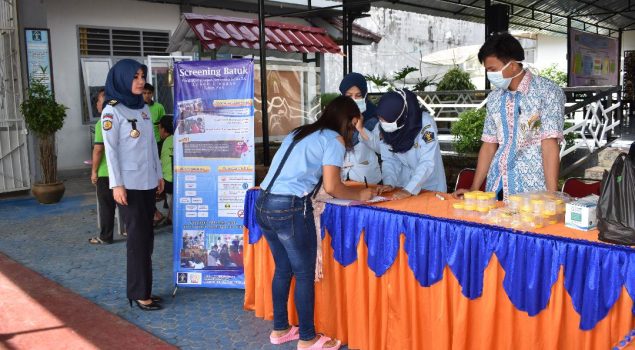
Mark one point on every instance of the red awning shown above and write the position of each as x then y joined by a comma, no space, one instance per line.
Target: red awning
217,31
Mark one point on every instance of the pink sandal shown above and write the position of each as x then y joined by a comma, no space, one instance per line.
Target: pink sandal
318,344
292,334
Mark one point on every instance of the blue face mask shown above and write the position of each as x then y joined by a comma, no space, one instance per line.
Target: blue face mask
498,80
361,104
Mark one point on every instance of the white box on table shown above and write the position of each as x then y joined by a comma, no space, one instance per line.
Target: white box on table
581,213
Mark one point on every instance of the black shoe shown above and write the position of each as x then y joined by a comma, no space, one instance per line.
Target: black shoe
156,299
146,307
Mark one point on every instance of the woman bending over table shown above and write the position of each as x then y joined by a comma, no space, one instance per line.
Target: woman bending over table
308,155
410,151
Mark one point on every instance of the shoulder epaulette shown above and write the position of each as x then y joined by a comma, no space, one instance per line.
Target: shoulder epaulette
113,102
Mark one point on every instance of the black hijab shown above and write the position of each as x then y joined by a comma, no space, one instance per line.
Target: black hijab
390,107
119,83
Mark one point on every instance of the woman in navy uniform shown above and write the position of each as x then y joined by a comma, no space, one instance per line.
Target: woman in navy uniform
361,163
410,151
134,170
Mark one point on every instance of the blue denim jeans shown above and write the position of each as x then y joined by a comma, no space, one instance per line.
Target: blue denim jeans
288,225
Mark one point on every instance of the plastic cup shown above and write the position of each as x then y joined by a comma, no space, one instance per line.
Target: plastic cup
514,202
549,219
538,221
470,199
482,201
491,197
550,207
482,212
537,206
505,219
458,209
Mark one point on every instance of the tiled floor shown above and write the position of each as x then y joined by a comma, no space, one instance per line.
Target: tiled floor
52,240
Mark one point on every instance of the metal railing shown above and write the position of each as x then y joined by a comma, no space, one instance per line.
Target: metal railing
591,110
593,118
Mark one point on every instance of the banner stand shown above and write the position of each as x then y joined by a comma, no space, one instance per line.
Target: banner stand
214,157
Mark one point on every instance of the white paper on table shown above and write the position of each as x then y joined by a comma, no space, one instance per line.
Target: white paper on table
351,202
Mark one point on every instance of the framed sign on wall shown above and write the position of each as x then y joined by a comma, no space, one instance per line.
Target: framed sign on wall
38,56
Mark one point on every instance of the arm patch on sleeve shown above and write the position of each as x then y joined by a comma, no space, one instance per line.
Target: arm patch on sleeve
107,125
428,136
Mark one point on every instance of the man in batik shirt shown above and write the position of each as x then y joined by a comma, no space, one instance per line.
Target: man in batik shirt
523,128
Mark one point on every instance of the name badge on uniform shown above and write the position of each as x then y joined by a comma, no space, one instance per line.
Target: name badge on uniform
134,133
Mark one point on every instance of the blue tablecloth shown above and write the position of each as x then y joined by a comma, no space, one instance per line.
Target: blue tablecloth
594,273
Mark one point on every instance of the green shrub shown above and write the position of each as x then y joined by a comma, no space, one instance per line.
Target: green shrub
468,130
569,139
326,98
455,79
554,74
42,114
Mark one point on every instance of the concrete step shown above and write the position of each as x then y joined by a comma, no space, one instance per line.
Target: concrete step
607,156
595,172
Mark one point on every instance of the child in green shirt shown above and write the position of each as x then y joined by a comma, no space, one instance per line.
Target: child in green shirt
166,129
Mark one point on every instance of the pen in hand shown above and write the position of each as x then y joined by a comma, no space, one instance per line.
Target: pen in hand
365,182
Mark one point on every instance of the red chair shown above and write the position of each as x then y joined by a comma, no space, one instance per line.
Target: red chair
465,179
579,187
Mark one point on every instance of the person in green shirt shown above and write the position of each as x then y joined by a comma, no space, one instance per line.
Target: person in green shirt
99,178
157,111
166,129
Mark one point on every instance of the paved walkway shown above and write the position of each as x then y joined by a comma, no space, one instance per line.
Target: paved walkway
40,314
52,241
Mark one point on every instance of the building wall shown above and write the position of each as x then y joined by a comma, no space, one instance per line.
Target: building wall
550,50
63,17
628,41
406,37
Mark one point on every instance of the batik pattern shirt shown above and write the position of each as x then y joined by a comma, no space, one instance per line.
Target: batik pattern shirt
518,121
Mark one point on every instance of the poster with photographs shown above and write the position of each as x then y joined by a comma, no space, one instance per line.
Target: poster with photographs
213,169
594,59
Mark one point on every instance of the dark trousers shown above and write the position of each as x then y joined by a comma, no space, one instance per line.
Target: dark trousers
137,217
288,225
107,207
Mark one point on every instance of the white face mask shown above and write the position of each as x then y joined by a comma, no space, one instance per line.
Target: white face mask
361,104
497,79
392,127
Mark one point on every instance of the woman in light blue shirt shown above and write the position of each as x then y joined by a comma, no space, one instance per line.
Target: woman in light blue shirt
285,214
410,152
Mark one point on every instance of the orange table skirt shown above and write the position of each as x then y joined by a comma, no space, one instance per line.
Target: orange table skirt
395,312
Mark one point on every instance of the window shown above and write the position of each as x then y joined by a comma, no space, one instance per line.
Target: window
100,48
122,42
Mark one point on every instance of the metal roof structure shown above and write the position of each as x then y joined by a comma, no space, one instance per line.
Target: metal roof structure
216,31
605,17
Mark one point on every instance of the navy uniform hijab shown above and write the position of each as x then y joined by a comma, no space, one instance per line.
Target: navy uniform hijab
370,115
119,83
390,107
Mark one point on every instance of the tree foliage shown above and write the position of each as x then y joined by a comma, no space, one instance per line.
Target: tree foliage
554,74
455,79
468,130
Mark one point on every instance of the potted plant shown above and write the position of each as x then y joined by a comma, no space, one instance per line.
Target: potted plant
44,116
